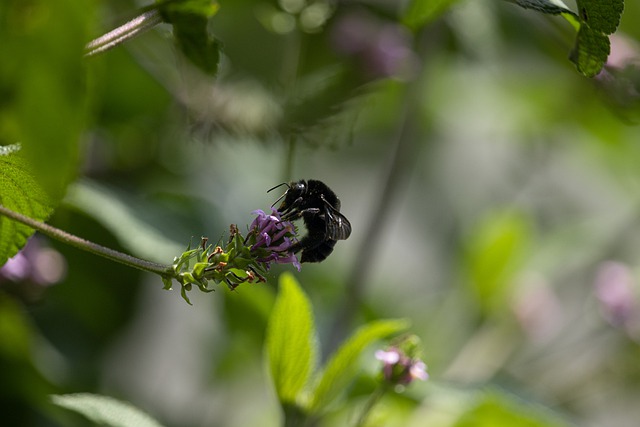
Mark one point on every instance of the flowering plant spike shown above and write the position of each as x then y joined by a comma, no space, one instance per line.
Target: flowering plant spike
401,362
243,259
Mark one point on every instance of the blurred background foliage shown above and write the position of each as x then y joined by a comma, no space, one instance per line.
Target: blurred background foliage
493,193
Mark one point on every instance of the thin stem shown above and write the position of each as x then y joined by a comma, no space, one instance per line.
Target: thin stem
94,248
371,402
131,29
403,150
401,159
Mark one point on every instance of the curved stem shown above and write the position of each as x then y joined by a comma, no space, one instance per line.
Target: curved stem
131,29
85,245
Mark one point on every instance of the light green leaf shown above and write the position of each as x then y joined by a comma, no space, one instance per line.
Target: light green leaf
44,92
105,410
290,343
19,192
496,408
342,366
422,12
494,253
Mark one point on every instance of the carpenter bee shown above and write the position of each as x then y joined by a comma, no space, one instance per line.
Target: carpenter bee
319,207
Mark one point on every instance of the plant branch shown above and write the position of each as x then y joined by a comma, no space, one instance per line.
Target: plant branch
85,245
131,29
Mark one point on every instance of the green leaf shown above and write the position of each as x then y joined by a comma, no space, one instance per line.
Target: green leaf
43,90
494,253
190,19
603,16
105,410
552,7
422,12
598,20
290,344
342,367
19,192
139,225
15,330
495,408
591,51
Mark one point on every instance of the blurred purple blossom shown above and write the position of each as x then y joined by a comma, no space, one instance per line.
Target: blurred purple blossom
619,79
537,307
383,49
614,289
400,369
35,263
28,274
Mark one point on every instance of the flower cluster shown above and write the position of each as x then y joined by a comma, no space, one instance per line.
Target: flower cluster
269,240
401,365
274,239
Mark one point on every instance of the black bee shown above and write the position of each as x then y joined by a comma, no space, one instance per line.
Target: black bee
319,207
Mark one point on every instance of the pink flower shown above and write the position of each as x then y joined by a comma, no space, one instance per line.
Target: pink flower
400,369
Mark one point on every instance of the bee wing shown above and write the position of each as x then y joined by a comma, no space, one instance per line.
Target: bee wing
338,226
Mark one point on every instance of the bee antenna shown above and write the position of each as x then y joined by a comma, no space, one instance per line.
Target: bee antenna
284,194
279,185
279,198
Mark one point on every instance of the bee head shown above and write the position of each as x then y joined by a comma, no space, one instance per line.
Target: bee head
295,190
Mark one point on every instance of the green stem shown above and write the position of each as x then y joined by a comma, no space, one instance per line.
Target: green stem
85,245
131,29
371,402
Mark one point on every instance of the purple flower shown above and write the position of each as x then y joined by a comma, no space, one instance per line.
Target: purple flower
35,263
400,369
615,290
274,237
382,49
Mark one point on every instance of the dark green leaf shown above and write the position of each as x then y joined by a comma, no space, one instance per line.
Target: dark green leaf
591,51
342,366
105,410
19,192
190,19
594,21
601,15
592,46
421,12
291,346
43,93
